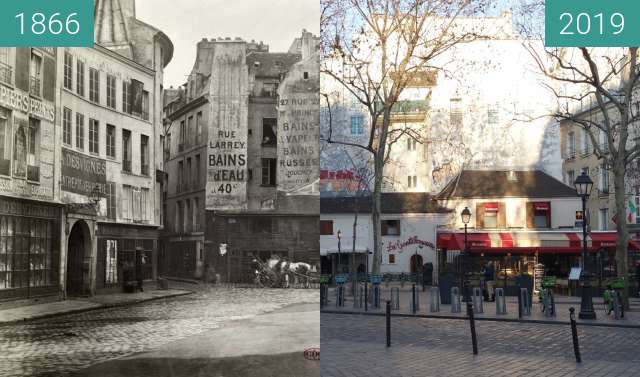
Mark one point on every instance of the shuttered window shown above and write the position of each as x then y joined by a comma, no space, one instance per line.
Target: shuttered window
326,227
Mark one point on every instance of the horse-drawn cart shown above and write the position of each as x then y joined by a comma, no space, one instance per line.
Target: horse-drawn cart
279,273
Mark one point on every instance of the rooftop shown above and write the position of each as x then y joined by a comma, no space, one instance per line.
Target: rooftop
396,202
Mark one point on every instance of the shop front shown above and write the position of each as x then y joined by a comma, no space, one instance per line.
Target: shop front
29,249
523,258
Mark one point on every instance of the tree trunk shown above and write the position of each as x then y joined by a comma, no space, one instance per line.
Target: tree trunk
378,162
622,242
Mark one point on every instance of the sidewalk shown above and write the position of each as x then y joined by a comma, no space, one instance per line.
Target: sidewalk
75,305
563,303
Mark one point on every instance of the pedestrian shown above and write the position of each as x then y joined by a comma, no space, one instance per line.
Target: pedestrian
140,269
489,276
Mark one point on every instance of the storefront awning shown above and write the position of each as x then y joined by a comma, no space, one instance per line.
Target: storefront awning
529,241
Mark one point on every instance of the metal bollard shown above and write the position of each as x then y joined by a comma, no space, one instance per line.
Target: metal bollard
434,300
324,293
395,298
616,306
574,334
388,323
501,303
376,296
340,295
455,300
524,302
415,299
472,325
477,300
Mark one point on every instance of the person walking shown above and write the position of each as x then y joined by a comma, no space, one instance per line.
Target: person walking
489,274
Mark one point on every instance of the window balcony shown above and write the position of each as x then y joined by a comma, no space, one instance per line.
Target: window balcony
35,86
126,166
6,74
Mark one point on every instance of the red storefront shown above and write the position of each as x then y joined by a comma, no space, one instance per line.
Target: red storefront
534,253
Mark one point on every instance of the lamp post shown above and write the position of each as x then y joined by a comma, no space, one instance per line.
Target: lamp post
339,250
466,217
583,185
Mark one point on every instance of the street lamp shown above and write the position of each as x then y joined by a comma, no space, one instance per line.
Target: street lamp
466,217
339,250
584,185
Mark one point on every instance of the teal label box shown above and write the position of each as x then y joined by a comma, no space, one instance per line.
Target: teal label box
46,23
592,23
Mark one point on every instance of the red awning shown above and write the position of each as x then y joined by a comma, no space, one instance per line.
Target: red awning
541,206
530,242
491,207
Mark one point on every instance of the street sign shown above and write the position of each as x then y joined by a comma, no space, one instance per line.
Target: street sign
375,279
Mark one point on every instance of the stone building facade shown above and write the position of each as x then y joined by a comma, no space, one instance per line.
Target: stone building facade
226,201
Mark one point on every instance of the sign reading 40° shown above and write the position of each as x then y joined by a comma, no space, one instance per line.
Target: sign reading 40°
45,23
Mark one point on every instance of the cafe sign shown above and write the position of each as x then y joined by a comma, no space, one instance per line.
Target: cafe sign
24,102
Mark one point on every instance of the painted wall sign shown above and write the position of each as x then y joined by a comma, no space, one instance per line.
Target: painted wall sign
299,129
81,173
227,170
399,246
23,102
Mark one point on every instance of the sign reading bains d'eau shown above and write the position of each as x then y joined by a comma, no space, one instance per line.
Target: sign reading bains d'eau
227,169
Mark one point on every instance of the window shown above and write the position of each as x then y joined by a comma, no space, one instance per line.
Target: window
145,213
190,131
571,177
412,144
94,85
357,123
144,155
269,131
179,217
66,126
571,145
197,171
94,136
390,227
80,78
111,91
584,170
455,112
189,171
326,227
603,141
68,71
126,151
111,200
305,75
127,202
180,175
79,131
196,221
145,105
35,79
199,127
5,142
268,171
167,148
603,219
392,258
111,141
126,97
490,215
412,181
33,159
539,215
6,69
182,136
603,184
585,143
187,216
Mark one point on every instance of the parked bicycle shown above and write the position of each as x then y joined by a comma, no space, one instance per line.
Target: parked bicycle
613,298
546,295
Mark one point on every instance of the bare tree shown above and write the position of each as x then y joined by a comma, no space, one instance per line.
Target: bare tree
608,78
376,49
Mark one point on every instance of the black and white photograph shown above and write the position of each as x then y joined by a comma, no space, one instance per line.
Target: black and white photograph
159,194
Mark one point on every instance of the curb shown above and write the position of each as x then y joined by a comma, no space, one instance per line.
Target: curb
513,320
99,307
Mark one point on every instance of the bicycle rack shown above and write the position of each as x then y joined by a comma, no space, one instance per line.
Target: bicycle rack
434,300
455,300
477,300
501,304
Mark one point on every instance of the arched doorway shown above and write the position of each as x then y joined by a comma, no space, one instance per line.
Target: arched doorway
78,244
415,263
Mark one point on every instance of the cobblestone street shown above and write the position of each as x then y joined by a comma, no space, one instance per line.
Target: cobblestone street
354,345
61,345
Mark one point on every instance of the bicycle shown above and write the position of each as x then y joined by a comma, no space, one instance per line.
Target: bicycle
546,296
613,299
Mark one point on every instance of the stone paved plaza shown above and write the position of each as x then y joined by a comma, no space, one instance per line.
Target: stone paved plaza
354,345
60,345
